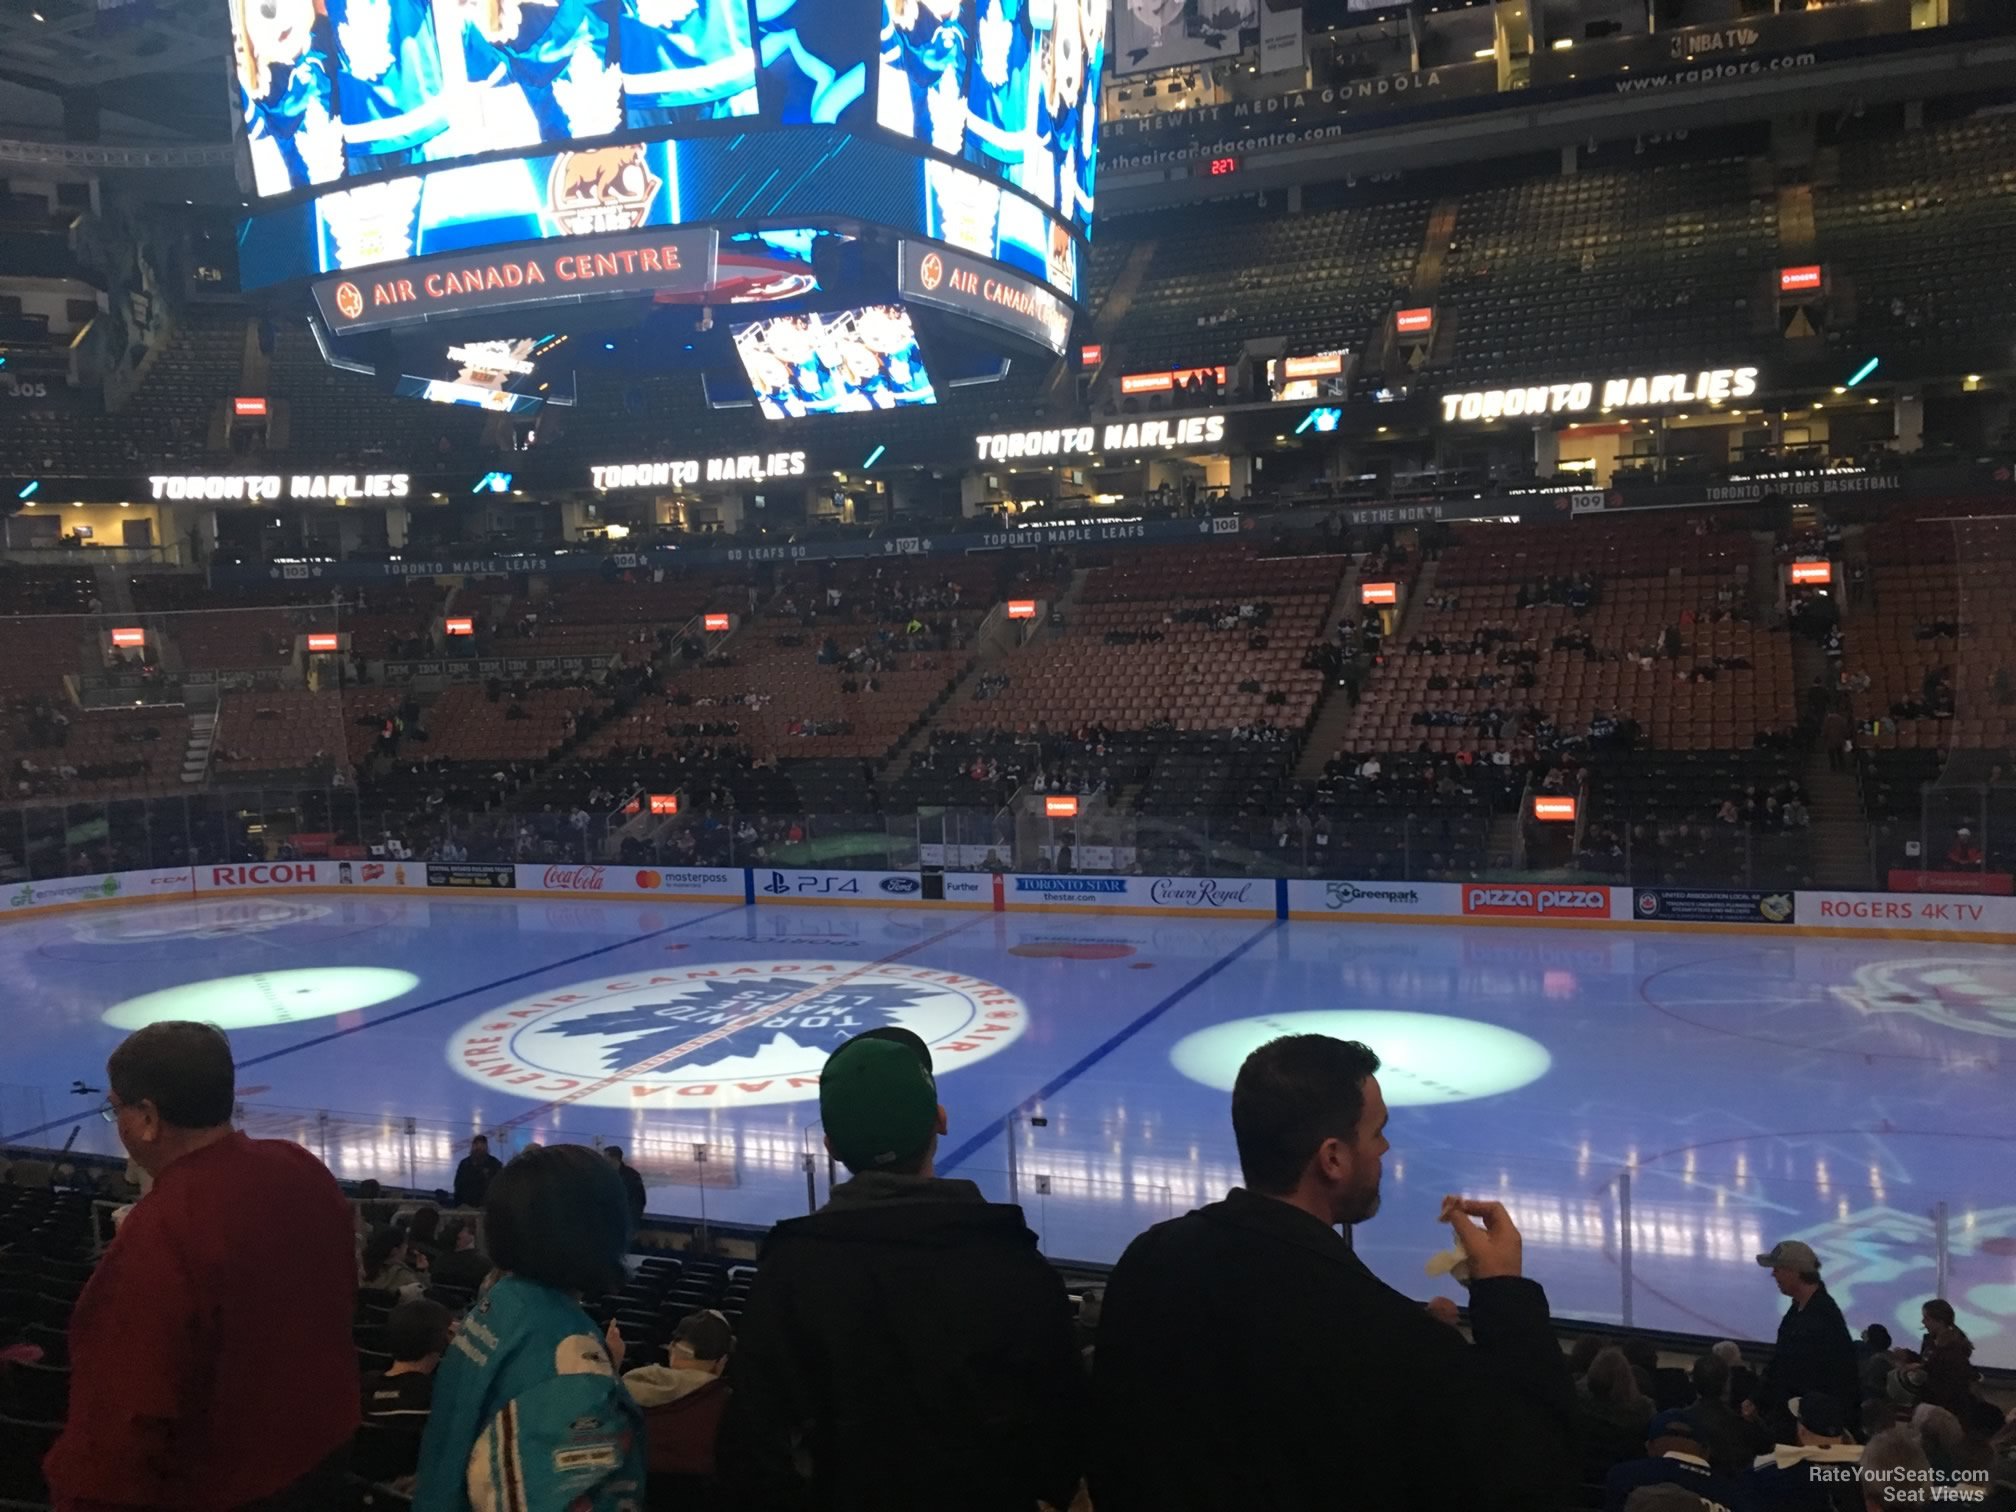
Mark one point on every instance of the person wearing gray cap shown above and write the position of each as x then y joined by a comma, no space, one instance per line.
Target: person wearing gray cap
1815,1350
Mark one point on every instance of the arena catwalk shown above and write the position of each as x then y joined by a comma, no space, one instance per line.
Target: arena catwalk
1831,1091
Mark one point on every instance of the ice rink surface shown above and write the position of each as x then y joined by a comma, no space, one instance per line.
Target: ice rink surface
1836,1091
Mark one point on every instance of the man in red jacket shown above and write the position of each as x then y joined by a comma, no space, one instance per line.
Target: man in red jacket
212,1368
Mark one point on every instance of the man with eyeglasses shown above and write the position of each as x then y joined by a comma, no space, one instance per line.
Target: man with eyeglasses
211,1362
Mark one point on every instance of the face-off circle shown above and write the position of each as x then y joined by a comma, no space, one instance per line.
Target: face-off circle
1425,1058
1912,1008
729,1035
1972,996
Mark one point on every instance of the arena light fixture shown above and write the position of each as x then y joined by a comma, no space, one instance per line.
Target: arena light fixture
873,457
1865,370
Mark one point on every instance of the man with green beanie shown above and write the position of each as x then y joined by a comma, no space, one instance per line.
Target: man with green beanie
905,1347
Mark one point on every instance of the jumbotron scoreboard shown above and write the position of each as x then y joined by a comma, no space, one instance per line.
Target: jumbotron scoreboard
858,190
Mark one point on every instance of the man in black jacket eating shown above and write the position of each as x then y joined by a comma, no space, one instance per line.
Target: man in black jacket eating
1326,1385
905,1348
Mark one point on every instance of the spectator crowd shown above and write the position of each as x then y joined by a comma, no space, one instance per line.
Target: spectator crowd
906,1346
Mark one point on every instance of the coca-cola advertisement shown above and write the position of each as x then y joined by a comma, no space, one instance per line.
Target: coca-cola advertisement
573,878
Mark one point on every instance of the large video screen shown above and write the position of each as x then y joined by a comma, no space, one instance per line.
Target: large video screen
333,91
1010,86
834,363
789,177
814,60
469,395
329,89
512,374
686,60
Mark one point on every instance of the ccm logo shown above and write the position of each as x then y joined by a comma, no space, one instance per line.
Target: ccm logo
1538,902
262,876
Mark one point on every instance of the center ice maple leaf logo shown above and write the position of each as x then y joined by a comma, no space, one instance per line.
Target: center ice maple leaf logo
806,1015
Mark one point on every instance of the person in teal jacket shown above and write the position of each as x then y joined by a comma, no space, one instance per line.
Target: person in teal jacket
529,1414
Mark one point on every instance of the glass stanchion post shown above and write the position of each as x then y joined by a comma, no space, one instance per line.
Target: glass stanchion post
1624,1242
1942,1251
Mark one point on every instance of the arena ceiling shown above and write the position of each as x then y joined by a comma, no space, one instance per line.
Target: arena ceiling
158,61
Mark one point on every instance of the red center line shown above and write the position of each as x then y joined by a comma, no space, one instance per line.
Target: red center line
723,1031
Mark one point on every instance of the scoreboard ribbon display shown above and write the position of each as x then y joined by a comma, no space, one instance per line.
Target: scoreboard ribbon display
806,175
967,286
574,269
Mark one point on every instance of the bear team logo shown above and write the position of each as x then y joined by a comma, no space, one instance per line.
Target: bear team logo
1978,997
734,1034
602,189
